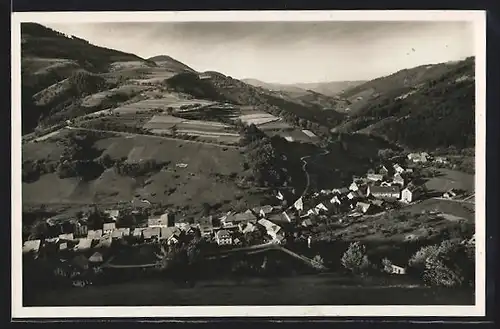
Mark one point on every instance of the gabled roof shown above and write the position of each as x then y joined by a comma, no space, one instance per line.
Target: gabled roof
266,209
270,226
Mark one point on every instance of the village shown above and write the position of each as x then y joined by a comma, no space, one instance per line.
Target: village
390,186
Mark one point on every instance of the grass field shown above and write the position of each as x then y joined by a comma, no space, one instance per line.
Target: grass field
205,179
451,179
457,209
301,290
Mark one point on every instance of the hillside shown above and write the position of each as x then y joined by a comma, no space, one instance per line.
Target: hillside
426,107
170,63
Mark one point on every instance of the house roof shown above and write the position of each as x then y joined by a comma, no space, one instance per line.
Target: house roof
84,244
266,209
222,234
68,236
270,226
94,234
242,217
374,176
151,232
96,257
158,221
108,226
168,232
384,189
248,228
138,231
104,242
31,245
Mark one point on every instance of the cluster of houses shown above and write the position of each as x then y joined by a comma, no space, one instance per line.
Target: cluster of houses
365,195
224,230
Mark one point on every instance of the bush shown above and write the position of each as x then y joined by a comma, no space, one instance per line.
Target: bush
449,264
355,259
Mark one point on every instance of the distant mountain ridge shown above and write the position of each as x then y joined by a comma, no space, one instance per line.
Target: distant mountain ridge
326,88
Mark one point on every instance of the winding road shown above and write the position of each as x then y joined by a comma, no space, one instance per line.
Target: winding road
308,178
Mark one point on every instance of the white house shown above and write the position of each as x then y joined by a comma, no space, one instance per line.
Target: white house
113,214
353,187
223,237
409,194
364,207
170,234
335,200
394,269
398,168
321,207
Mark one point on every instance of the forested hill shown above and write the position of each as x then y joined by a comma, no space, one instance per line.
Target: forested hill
433,111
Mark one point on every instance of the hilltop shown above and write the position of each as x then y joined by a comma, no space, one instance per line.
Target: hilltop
171,63
426,107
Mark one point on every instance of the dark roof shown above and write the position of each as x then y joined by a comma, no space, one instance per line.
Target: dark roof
384,189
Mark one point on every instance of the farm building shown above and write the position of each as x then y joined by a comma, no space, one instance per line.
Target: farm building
381,192
31,246
138,232
223,237
107,228
409,194
120,233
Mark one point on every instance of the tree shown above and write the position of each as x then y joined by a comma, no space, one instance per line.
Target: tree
39,230
355,258
386,265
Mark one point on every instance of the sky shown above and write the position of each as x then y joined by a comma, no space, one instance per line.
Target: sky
288,52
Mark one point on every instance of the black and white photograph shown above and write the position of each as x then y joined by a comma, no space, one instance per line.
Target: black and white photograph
248,163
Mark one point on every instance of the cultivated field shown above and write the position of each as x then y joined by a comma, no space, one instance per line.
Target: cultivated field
125,91
257,118
205,179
